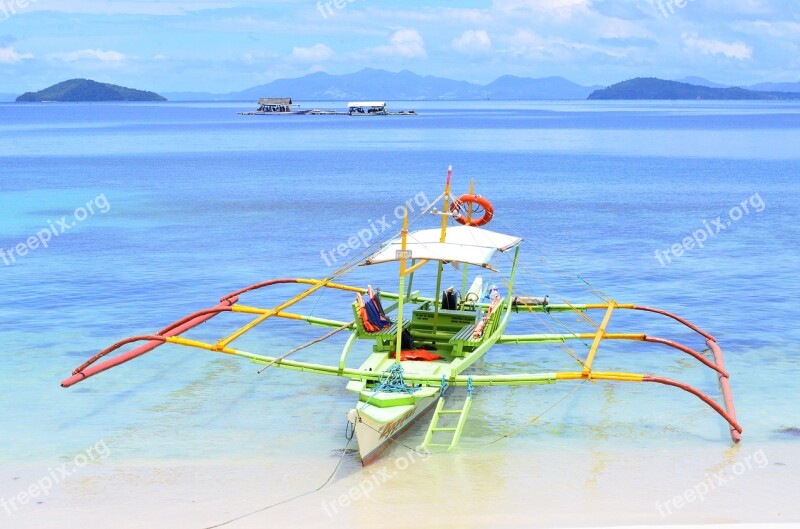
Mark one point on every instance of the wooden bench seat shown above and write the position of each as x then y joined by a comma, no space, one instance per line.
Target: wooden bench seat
464,336
390,332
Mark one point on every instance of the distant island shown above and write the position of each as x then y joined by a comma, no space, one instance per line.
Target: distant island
88,90
653,88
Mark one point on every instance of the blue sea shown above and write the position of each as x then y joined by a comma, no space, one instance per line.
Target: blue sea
161,209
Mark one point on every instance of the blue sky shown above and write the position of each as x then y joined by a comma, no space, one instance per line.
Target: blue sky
221,46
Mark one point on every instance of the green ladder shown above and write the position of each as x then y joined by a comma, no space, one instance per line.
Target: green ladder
440,411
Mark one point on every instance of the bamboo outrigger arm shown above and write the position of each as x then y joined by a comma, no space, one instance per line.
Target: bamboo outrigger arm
728,412
227,304
172,334
542,338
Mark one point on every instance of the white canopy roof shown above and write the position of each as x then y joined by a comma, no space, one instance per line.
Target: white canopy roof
463,244
367,104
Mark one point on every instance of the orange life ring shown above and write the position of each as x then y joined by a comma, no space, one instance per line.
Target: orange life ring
461,217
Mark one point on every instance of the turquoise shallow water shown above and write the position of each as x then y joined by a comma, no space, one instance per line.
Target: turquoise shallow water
202,202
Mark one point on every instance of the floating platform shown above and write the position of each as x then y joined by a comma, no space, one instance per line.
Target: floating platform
284,106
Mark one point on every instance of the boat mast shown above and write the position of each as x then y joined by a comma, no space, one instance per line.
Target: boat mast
442,237
469,221
403,254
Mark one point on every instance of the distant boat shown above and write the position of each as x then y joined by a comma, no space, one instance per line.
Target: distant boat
367,108
375,108
273,105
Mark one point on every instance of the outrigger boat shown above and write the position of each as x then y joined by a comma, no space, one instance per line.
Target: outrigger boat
423,346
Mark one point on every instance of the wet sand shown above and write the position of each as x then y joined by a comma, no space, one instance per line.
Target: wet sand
499,486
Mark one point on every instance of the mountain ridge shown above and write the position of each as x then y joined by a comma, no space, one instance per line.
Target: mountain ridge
776,87
371,83
700,81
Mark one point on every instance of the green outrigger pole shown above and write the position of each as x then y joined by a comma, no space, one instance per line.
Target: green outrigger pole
394,387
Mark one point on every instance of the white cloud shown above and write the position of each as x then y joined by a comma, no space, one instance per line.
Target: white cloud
10,56
473,41
316,53
759,28
734,50
89,55
407,43
435,14
747,7
617,28
529,46
133,7
259,57
527,43
562,8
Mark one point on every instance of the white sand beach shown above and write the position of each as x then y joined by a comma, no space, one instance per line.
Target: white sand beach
502,488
